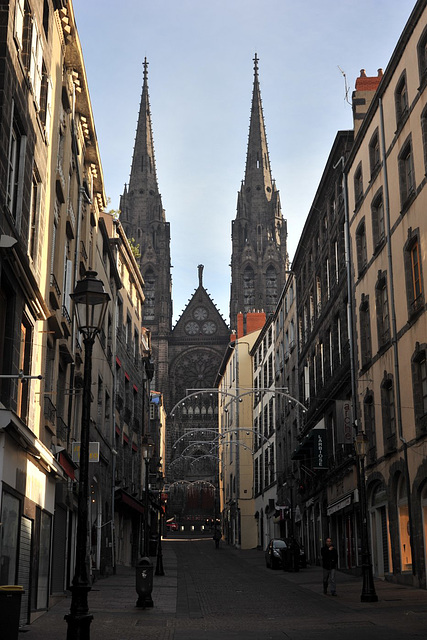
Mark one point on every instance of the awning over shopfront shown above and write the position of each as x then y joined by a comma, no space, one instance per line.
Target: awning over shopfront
28,441
340,504
121,497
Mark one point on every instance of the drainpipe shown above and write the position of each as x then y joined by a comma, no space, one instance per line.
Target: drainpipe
394,334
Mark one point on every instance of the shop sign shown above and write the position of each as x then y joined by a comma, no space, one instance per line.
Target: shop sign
93,452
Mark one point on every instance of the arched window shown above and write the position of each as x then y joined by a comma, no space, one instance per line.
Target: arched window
271,286
248,289
149,291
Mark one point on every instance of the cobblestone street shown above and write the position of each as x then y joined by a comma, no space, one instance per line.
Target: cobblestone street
230,594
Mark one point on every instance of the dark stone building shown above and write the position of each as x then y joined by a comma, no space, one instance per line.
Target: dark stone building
259,258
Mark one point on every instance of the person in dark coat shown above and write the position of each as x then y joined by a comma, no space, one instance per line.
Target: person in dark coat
329,564
217,537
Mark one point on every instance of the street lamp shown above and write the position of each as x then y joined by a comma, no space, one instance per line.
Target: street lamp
147,449
90,303
368,587
159,564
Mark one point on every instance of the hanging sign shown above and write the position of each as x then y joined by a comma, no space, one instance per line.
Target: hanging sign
93,452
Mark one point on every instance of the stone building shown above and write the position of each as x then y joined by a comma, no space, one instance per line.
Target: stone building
387,202
144,222
52,194
259,258
325,477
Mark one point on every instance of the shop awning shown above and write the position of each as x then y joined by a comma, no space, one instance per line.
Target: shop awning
124,498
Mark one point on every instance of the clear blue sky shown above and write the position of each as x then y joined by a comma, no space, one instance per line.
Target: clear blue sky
200,81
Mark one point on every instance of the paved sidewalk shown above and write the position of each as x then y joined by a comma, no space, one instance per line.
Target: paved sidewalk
176,600
112,602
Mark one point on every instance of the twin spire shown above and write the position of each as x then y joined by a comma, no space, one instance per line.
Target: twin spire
258,171
143,171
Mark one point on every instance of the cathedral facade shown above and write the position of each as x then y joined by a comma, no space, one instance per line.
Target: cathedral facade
187,356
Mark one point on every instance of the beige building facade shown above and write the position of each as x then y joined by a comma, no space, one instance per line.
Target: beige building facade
388,228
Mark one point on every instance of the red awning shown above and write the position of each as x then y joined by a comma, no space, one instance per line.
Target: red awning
126,499
66,465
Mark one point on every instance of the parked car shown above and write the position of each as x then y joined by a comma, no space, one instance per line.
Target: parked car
273,553
172,526
281,553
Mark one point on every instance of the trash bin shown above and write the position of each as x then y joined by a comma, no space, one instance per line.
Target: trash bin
144,583
10,609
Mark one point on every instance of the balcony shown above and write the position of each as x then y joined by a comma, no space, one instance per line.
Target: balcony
54,293
49,413
61,429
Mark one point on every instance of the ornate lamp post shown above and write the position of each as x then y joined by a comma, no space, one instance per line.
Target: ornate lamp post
147,448
368,587
159,564
90,302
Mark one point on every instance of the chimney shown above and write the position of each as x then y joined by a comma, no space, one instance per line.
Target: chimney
362,97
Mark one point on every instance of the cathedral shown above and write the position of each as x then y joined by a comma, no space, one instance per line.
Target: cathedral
187,356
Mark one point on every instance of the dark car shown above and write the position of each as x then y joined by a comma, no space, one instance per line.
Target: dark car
273,553
172,526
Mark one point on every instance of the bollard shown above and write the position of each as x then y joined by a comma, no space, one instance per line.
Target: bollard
144,583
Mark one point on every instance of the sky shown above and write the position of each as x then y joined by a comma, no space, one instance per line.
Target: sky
200,79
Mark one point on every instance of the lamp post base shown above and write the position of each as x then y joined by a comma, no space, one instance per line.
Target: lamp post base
145,601
368,588
78,626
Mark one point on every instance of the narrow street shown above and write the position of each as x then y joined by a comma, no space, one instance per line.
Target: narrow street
228,594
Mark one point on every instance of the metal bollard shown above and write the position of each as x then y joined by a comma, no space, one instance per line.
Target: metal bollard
144,583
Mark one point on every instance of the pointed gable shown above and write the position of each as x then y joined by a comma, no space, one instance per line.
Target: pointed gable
201,319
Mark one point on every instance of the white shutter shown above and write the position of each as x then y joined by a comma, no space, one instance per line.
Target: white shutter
48,108
67,285
19,21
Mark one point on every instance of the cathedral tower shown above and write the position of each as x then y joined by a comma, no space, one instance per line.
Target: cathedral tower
143,219
259,258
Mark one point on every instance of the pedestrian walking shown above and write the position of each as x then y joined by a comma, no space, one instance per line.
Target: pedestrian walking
329,564
217,538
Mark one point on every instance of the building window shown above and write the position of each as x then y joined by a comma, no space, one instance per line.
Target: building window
248,289
25,366
378,226
413,273
388,414
401,100
15,168
149,291
361,250
422,56
358,185
46,103
34,223
369,419
383,317
424,135
419,385
318,294
337,262
365,332
36,64
406,173
374,153
271,286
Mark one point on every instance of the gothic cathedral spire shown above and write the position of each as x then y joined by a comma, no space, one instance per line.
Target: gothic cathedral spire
259,254
144,221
